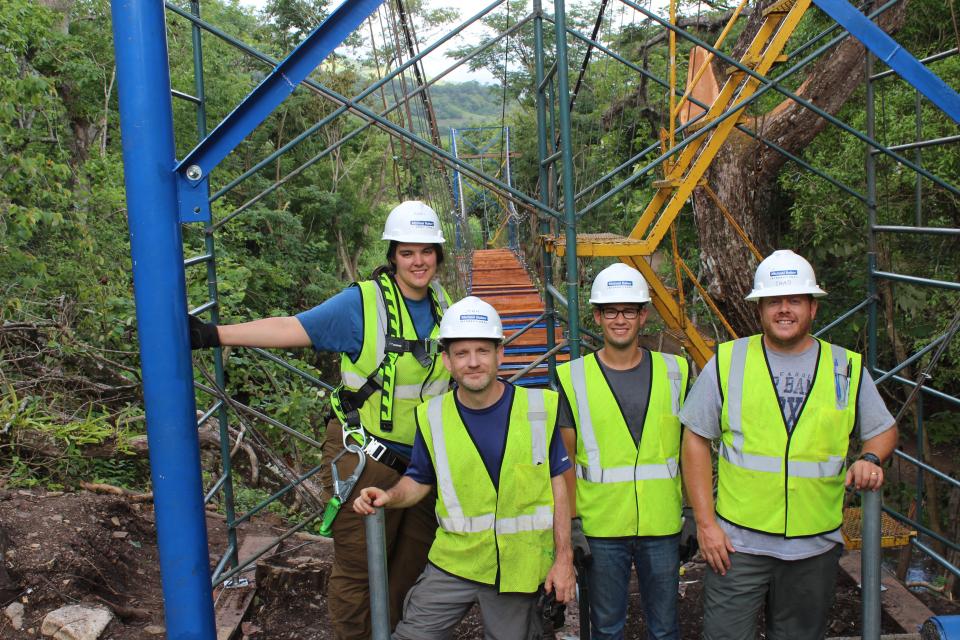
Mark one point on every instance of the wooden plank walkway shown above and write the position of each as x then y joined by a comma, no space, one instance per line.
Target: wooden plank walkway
500,279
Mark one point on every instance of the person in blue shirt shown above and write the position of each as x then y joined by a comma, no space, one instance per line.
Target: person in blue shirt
385,329
493,452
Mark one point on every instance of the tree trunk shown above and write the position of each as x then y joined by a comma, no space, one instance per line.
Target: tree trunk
744,173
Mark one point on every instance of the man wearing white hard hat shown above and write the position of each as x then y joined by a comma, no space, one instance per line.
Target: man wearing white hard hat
386,330
492,451
783,406
619,416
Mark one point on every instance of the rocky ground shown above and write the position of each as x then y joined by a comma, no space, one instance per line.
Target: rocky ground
99,550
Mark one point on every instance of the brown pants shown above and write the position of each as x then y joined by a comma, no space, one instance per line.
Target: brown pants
409,534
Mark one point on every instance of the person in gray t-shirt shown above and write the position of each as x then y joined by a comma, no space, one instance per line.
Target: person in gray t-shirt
783,406
619,418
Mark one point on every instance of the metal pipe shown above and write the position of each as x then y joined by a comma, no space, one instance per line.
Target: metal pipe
870,564
156,248
213,491
209,412
226,477
523,329
276,496
569,187
546,257
870,168
185,96
292,369
943,562
206,306
536,363
899,277
906,363
938,231
766,85
935,57
663,83
869,300
926,467
921,528
377,572
189,262
236,405
927,390
922,144
542,83
244,566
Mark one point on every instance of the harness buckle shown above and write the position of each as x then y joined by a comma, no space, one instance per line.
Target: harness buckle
394,344
353,434
374,449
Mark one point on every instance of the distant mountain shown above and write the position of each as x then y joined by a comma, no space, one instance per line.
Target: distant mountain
466,104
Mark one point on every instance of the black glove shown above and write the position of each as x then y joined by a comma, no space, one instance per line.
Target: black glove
688,536
581,548
203,335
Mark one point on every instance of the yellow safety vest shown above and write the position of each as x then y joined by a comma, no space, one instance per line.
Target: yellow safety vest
493,536
394,381
772,481
625,489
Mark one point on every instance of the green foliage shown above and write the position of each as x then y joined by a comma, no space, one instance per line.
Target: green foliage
34,434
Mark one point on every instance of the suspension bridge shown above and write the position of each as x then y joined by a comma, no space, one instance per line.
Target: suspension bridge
527,259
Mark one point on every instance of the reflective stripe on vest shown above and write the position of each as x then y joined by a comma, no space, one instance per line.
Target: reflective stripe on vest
484,528
775,480
455,520
627,488
593,471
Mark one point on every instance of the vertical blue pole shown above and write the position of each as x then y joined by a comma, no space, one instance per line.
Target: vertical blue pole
146,125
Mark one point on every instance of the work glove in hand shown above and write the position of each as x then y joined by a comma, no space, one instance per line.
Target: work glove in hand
203,335
581,548
688,536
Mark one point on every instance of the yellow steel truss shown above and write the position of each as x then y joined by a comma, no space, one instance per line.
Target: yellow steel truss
686,172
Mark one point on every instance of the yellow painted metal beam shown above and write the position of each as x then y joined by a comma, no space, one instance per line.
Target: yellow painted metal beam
663,301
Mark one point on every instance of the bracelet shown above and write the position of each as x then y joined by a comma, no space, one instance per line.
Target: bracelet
872,458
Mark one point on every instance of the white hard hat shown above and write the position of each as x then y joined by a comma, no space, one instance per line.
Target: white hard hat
619,283
784,273
471,318
413,221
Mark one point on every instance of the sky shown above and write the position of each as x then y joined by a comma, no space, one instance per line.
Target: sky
436,62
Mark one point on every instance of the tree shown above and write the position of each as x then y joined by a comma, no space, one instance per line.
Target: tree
744,173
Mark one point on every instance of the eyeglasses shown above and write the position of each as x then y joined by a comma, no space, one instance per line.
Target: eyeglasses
630,313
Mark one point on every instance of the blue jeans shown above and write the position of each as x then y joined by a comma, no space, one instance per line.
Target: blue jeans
658,571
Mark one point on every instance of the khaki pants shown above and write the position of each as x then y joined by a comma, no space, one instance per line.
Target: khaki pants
409,534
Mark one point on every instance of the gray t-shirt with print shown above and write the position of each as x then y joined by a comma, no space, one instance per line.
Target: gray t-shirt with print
792,376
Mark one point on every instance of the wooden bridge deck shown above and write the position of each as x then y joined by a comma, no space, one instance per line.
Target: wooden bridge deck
500,279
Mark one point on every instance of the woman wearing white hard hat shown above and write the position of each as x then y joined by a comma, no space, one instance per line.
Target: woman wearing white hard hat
382,382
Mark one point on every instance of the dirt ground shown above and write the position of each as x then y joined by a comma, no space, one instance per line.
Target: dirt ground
89,548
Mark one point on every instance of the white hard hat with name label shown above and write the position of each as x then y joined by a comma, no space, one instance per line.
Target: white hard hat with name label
619,283
784,273
413,221
471,318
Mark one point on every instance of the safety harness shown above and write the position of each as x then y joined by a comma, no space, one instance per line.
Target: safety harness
346,403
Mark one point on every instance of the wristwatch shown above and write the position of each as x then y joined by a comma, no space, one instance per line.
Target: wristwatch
871,458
